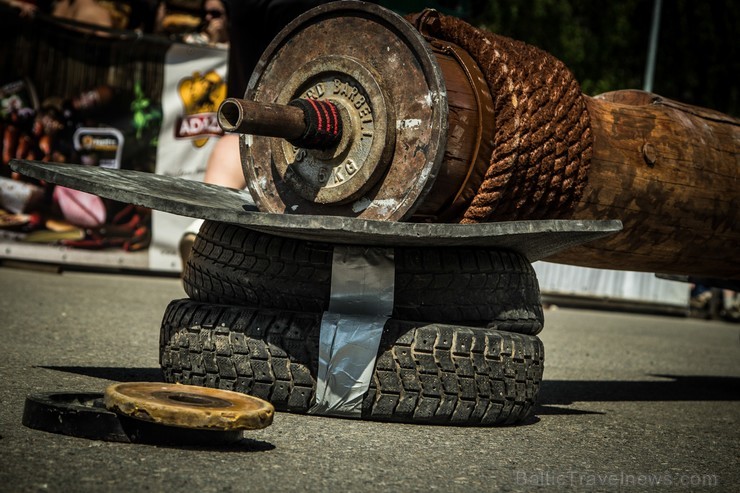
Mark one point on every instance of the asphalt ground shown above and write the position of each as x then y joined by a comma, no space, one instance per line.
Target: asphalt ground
629,402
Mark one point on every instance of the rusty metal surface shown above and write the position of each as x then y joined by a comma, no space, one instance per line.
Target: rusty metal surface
471,123
252,117
83,415
534,239
189,406
391,88
345,172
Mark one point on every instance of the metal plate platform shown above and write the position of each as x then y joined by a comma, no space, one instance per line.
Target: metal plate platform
534,239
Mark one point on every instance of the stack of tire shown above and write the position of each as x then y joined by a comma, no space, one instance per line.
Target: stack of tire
460,347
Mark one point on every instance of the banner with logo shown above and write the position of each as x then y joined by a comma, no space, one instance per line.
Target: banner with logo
194,87
133,102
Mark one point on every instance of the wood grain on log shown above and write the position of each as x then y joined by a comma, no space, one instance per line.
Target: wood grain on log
669,172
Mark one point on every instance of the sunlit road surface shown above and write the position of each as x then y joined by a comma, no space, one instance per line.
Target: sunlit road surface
629,402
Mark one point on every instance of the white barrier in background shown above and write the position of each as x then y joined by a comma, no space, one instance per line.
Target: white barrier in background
194,86
606,284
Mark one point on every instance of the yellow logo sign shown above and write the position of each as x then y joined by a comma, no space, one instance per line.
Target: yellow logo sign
201,95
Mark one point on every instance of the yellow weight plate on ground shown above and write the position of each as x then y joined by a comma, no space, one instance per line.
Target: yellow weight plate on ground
189,406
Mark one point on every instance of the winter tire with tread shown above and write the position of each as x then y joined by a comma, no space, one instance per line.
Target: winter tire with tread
467,286
424,373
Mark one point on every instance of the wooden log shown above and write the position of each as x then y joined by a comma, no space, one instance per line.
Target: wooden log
670,172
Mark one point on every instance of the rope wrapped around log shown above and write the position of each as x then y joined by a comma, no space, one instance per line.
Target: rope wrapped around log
542,143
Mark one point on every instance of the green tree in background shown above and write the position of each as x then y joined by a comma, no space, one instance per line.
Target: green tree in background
700,59
597,40
605,42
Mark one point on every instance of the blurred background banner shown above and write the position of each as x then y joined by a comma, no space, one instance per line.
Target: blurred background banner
194,87
109,98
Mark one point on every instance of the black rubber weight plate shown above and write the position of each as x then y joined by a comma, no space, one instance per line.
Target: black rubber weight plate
479,287
425,373
84,415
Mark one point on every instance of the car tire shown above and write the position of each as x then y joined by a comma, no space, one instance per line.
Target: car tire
424,372
477,287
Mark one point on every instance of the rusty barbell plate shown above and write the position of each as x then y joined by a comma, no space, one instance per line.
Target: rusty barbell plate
347,171
189,406
382,71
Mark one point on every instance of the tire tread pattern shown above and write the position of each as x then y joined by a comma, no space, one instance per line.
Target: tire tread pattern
424,373
474,287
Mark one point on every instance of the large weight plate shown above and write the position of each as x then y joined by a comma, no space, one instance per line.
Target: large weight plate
366,55
188,406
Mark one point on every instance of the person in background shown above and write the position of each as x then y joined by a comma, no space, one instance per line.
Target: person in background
213,29
87,11
252,25
215,18
28,8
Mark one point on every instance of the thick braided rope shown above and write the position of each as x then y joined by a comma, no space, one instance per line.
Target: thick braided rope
542,144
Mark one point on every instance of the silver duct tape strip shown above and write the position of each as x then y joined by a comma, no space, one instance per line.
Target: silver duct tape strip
362,281
361,302
348,346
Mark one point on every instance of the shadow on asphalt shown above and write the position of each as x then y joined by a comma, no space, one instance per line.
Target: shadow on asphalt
552,395
243,445
545,410
112,373
673,388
